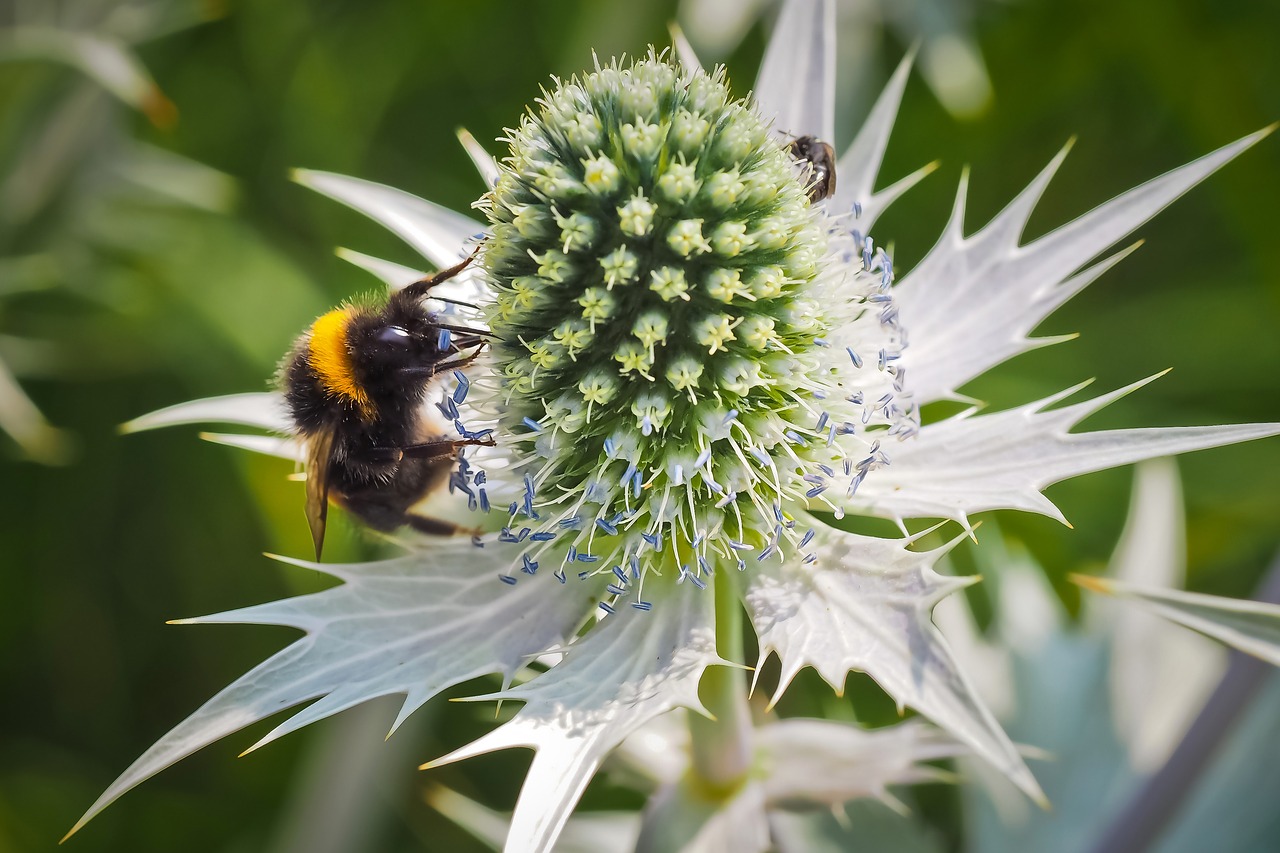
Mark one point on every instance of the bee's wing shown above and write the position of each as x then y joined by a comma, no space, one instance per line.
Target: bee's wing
319,454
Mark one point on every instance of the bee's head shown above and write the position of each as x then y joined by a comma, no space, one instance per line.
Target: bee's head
396,349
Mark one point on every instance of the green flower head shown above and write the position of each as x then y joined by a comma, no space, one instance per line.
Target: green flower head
662,325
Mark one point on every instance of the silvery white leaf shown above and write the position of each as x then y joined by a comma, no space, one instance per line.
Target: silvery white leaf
865,605
265,410
393,275
627,670
795,88
971,463
863,826
825,762
859,166
589,832
973,301
438,233
683,50
483,160
1252,627
268,445
413,626
1160,675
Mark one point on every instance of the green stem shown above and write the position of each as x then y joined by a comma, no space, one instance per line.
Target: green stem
722,747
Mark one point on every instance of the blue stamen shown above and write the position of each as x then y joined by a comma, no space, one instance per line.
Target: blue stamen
614,589
464,385
532,424
808,537
606,527
444,339
542,536
642,605
606,608
507,579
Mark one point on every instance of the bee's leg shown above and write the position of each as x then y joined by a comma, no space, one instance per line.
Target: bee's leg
436,526
443,447
460,363
420,287
465,330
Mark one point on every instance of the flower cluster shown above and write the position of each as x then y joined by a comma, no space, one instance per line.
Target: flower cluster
665,319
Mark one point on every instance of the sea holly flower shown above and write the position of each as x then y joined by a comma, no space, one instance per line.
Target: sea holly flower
694,372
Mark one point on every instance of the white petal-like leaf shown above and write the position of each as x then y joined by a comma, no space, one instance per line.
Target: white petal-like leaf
483,160
413,625
592,832
863,826
627,670
859,166
796,86
973,301
684,51
826,762
865,606
268,445
1160,674
1250,626
393,275
438,233
1004,460
265,410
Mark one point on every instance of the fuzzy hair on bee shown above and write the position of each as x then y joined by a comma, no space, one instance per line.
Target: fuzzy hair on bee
355,384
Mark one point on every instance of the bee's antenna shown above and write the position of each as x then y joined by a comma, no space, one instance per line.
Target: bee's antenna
457,302
421,286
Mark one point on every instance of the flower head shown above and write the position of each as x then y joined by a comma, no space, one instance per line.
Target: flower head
678,347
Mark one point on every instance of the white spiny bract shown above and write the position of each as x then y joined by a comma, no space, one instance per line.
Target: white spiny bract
666,303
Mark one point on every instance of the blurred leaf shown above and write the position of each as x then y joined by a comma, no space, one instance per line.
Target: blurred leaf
1250,626
109,63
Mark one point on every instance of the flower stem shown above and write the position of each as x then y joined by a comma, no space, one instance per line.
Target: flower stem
722,747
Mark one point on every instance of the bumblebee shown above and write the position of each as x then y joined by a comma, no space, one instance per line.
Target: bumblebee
820,159
355,385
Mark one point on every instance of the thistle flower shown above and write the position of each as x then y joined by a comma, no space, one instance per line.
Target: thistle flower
694,371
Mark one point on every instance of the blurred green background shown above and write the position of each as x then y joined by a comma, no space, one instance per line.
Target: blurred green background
153,252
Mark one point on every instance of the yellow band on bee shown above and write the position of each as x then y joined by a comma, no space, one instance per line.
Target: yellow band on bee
330,358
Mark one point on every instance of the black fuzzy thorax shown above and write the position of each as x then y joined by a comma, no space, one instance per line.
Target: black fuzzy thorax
394,372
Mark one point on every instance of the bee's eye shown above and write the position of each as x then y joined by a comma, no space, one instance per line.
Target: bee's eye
395,336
